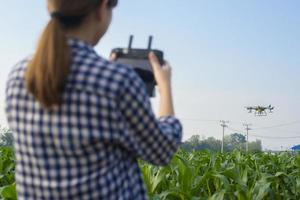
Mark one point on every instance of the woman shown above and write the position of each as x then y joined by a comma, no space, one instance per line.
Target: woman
80,121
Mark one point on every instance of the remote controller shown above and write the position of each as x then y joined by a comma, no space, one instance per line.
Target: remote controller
138,59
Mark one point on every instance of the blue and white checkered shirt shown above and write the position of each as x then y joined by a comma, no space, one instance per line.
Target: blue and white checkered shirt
87,147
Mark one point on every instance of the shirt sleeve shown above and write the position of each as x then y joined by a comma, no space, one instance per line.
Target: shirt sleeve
154,140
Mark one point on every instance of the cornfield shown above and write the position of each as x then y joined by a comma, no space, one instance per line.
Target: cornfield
203,175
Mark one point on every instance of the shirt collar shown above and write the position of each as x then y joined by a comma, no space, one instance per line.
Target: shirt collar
79,44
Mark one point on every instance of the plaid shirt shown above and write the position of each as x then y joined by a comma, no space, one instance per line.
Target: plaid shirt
87,147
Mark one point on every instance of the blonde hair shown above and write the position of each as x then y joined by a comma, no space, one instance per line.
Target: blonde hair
47,72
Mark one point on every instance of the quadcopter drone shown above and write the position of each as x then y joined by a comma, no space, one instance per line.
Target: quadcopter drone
260,110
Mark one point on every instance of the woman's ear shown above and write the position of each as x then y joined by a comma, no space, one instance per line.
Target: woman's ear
102,10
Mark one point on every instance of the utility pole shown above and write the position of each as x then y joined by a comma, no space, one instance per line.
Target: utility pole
247,137
223,124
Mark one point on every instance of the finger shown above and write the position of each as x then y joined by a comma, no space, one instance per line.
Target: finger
166,66
166,63
113,57
154,60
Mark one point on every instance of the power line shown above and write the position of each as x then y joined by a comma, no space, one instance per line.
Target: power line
263,136
273,137
199,120
236,130
279,125
207,120
224,125
258,128
283,130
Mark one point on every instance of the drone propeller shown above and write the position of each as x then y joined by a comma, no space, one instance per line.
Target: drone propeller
271,108
249,109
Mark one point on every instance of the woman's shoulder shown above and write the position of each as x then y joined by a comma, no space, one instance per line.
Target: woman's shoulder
18,69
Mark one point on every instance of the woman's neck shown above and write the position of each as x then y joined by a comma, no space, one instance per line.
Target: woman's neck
86,35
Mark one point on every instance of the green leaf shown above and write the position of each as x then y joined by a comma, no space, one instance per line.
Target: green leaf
218,196
9,192
223,179
263,188
280,174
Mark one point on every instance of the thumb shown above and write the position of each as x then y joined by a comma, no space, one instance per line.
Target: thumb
154,61
113,57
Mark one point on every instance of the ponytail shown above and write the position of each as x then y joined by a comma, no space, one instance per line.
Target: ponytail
47,72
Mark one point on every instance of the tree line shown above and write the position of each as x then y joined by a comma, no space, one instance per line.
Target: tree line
6,137
194,143
231,142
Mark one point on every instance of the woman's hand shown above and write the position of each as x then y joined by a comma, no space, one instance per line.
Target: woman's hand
162,73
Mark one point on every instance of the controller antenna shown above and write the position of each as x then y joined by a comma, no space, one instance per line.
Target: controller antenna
150,42
130,41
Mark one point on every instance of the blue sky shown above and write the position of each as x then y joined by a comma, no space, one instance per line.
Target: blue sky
225,55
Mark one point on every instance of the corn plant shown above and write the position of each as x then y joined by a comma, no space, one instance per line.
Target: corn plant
7,173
